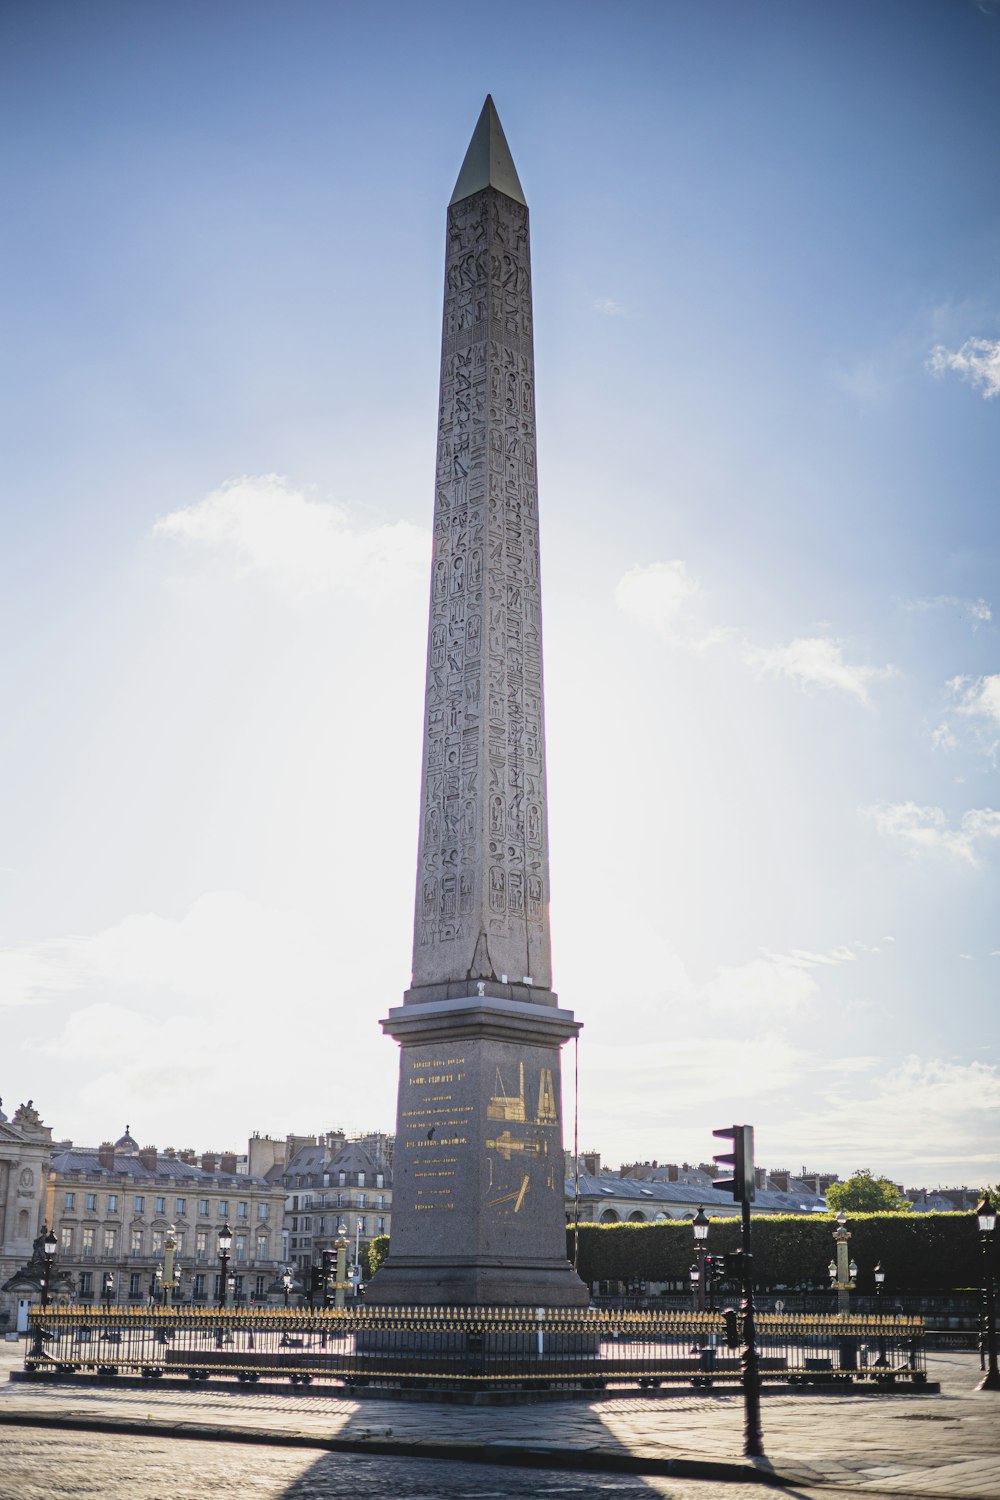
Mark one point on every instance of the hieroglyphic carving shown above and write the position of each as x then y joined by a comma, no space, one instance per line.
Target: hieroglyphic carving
483,860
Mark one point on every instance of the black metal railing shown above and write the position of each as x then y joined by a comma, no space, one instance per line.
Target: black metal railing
481,1347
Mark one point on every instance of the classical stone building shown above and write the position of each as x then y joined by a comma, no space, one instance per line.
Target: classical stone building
637,1200
112,1205
332,1186
25,1148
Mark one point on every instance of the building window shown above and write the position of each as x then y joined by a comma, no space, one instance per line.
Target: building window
88,1240
161,1205
66,1239
262,1211
380,1179
137,1242
157,1242
243,1210
341,1179
223,1208
260,1290
109,1242
112,1203
140,1204
86,1283
340,1200
380,1226
201,1244
237,1288
91,1203
241,1247
199,1285
135,1284
203,1208
68,1199
362,1224
180,1207
262,1247
361,1179
307,1224
362,1200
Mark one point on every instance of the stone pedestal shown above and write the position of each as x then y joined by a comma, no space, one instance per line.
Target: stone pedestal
478,1178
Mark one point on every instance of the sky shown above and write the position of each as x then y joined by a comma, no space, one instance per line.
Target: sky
767,318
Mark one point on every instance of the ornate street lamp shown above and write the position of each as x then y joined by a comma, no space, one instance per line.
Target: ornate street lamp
109,1289
699,1227
694,1275
987,1218
155,1282
225,1245
49,1257
287,1283
879,1275
841,1274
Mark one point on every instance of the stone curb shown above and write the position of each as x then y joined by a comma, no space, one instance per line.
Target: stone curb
510,1454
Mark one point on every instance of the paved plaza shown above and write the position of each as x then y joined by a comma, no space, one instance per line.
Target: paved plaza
940,1445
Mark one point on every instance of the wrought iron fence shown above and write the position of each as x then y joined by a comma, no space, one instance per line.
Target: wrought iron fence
472,1347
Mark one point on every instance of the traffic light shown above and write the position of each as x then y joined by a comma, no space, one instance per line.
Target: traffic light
329,1276
742,1184
731,1320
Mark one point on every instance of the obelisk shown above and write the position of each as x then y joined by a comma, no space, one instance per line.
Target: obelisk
478,1180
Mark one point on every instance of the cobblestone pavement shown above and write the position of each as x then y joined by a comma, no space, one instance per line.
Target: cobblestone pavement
104,1466
943,1445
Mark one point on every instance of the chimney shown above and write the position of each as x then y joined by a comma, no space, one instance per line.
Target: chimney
781,1181
188,1156
209,1161
147,1155
228,1163
106,1156
673,1174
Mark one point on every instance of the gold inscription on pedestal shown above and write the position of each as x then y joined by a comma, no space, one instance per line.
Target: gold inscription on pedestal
434,1124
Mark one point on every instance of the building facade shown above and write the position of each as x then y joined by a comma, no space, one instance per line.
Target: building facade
111,1208
332,1187
25,1150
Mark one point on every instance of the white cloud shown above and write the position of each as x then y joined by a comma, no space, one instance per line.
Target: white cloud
658,595
979,696
916,1113
977,361
661,595
942,738
979,611
609,307
271,528
816,661
926,829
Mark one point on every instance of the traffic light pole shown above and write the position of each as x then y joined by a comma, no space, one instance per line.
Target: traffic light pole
753,1439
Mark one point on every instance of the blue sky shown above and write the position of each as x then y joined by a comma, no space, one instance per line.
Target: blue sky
768,351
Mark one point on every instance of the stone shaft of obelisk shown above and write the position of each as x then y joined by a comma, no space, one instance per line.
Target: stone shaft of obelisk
482,881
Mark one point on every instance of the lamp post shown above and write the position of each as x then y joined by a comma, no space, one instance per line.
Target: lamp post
225,1245
694,1278
879,1275
286,1283
49,1258
109,1289
699,1226
987,1219
842,1274
155,1282
341,1247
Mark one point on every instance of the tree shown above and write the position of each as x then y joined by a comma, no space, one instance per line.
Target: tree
864,1194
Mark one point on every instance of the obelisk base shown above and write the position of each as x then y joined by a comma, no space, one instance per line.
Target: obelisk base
478,1174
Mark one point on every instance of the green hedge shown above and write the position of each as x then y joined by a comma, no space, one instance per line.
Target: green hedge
919,1252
